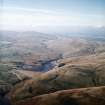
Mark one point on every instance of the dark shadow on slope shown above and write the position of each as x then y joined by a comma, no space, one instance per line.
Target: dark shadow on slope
4,100
68,101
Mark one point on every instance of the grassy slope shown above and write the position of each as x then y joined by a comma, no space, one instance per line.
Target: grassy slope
80,72
83,96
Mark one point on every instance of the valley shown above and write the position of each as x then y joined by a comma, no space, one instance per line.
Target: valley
36,68
52,52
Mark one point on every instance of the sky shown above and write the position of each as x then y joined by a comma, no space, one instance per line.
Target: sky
30,14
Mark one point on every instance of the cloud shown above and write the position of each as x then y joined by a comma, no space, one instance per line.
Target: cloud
13,17
30,10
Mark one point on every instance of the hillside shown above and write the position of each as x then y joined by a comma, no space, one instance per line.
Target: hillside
34,64
81,72
83,96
